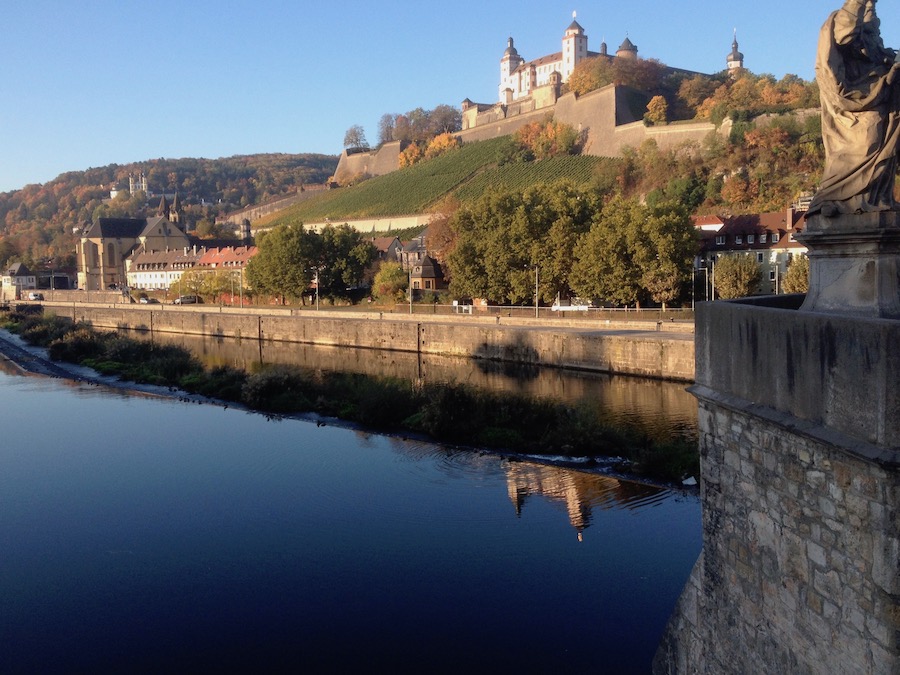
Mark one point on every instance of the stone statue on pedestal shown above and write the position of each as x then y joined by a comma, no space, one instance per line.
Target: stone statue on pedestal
853,222
858,81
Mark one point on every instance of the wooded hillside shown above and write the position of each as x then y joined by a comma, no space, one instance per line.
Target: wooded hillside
36,222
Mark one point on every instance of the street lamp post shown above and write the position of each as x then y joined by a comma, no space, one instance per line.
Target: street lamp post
536,297
317,289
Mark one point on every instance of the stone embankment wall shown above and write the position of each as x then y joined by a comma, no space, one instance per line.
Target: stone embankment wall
800,463
649,350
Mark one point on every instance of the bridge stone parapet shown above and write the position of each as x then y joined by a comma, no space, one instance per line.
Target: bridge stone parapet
800,466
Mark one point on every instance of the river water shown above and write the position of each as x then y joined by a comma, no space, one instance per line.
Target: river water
142,534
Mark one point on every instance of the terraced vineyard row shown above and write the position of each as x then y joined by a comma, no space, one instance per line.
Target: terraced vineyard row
520,175
468,173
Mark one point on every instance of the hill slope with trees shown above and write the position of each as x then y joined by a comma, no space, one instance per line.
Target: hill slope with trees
37,222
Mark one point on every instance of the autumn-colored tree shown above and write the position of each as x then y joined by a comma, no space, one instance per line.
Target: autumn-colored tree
642,74
548,138
411,155
440,144
440,239
657,111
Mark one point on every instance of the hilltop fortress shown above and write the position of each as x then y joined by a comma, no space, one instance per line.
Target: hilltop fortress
611,117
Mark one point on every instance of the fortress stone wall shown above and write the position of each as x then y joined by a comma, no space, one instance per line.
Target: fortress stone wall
607,116
374,163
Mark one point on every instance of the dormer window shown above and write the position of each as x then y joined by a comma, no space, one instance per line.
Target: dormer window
720,240
751,238
738,239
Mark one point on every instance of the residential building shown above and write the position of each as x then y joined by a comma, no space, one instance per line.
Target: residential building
768,237
16,279
162,270
424,270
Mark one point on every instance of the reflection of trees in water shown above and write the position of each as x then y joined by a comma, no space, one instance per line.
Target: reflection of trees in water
653,407
515,371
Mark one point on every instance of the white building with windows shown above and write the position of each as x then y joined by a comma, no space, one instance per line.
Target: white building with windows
768,237
519,78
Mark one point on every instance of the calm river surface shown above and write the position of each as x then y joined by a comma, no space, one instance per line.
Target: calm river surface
145,534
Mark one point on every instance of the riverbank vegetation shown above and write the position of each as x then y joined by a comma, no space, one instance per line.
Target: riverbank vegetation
446,412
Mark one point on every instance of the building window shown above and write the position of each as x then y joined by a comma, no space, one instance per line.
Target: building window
720,240
762,239
738,239
774,237
759,257
791,237
772,275
751,238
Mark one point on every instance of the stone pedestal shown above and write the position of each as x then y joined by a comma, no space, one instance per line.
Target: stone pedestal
854,264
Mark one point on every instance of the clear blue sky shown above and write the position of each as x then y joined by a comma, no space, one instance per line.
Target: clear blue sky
90,83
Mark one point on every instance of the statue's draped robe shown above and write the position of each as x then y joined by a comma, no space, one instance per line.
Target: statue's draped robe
860,118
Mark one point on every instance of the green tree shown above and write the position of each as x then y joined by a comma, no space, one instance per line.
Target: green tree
283,266
603,266
663,245
736,276
500,240
390,283
796,278
342,255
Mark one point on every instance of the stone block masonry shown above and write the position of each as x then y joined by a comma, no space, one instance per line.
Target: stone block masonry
800,470
643,351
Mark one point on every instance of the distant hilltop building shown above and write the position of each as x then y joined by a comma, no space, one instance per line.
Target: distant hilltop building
735,60
610,118
519,78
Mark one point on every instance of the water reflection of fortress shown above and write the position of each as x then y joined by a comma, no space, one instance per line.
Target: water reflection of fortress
578,492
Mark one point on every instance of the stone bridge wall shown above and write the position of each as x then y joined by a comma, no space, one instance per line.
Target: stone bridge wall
800,466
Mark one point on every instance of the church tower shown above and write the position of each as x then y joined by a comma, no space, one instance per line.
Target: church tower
735,59
508,65
574,48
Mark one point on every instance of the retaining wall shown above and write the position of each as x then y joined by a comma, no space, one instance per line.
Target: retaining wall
663,355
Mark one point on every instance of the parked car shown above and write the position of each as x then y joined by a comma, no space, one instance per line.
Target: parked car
35,296
188,300
149,301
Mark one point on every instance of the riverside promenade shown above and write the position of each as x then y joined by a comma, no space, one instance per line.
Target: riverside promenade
662,350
